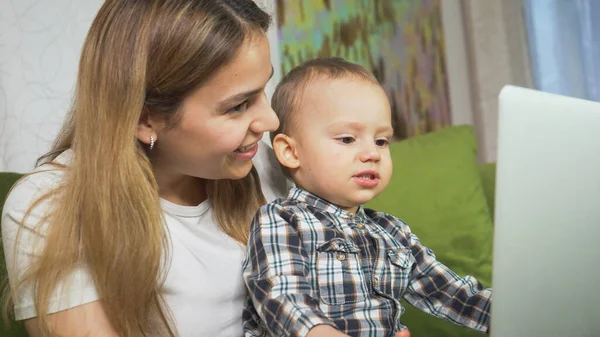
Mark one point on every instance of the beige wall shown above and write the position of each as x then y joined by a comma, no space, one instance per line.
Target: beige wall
486,48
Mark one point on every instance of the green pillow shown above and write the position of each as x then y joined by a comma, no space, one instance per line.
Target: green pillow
488,179
14,329
7,180
437,190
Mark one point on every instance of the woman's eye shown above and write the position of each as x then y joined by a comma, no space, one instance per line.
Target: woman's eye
346,140
381,142
239,108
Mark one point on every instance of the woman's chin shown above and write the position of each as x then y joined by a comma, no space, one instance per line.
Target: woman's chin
239,172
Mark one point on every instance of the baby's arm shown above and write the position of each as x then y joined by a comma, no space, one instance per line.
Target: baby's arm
437,290
275,271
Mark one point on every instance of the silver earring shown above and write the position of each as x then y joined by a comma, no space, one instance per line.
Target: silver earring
151,142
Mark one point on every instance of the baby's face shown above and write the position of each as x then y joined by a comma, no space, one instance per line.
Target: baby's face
344,129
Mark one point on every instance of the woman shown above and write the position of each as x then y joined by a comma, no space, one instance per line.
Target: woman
135,221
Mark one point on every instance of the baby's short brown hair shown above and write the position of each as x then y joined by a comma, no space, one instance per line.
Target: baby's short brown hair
289,92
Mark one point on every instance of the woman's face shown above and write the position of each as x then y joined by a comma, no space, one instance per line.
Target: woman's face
221,123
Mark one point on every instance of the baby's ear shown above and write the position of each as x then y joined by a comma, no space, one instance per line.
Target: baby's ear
285,151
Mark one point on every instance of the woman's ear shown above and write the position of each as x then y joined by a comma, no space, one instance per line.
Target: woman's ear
147,128
285,151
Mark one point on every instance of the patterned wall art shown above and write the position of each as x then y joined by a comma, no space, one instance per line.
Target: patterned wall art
400,41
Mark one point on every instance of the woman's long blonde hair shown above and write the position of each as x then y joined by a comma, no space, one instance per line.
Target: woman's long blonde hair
138,54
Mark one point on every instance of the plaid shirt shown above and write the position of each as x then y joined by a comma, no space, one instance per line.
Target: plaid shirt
309,262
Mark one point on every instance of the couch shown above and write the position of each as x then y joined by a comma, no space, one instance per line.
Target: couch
441,191
14,329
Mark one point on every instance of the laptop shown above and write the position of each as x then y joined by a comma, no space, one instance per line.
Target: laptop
546,268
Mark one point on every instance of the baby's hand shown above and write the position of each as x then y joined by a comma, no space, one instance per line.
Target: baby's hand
403,333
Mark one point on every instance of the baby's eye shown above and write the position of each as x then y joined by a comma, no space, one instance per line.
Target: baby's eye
381,142
346,140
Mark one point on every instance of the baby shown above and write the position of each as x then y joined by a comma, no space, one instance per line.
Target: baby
317,262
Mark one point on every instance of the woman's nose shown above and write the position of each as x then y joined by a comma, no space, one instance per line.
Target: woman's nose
265,120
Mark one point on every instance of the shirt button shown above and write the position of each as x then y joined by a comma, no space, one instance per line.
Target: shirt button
341,256
376,282
360,226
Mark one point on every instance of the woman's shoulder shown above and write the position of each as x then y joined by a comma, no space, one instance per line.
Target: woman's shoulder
35,184
274,183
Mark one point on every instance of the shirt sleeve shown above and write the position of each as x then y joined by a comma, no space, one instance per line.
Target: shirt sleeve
437,290
275,271
24,241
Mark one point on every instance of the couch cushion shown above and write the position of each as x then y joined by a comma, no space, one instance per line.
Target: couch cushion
14,329
488,178
7,180
437,190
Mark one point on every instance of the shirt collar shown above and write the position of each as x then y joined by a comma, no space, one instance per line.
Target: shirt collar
322,204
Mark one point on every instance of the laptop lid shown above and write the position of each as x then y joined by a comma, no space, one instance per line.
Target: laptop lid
546,269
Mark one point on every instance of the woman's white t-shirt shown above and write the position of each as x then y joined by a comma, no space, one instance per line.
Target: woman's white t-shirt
203,289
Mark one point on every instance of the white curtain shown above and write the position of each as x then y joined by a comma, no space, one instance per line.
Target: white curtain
564,39
40,44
